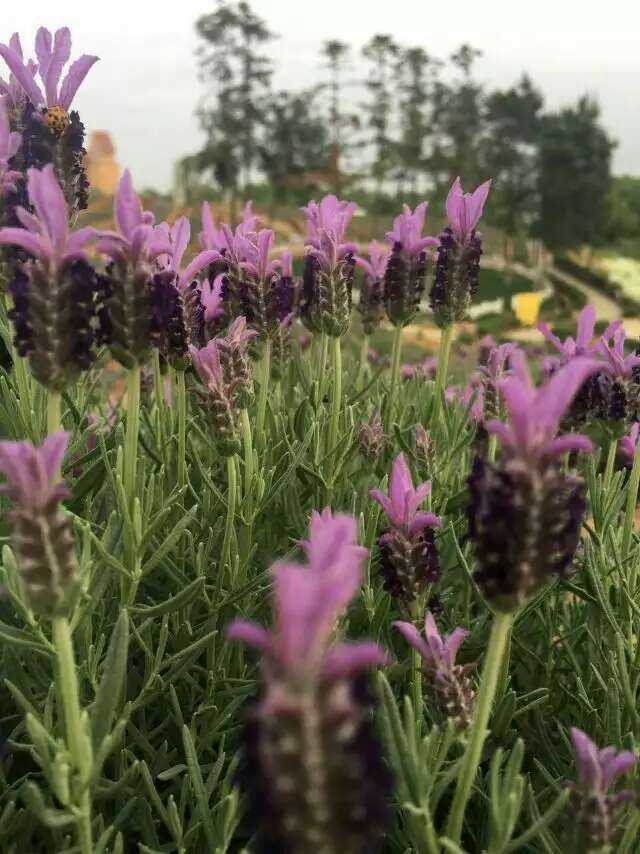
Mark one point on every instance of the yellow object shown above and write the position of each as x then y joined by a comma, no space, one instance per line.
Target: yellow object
527,307
102,169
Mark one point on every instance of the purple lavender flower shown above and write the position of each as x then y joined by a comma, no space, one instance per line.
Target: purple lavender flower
55,294
224,368
525,512
426,369
9,145
53,54
371,438
598,810
472,397
489,375
329,267
42,534
448,684
406,269
371,304
629,444
486,345
615,392
52,133
178,313
458,260
133,283
409,558
311,763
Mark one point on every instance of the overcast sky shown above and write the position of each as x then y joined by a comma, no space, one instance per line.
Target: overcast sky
145,88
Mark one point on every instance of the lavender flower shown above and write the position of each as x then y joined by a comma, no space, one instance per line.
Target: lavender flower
51,132
598,810
407,547
616,395
55,294
9,145
224,367
448,684
472,397
134,285
406,269
371,304
458,259
329,267
371,438
426,369
525,512
11,90
629,444
42,534
311,764
178,313
489,375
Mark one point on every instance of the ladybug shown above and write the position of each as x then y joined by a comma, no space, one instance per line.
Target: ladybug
57,120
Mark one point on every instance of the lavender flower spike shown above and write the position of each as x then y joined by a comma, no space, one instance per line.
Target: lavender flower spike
42,534
629,443
311,765
9,145
55,313
448,683
371,305
525,511
53,54
458,261
134,283
329,267
404,279
407,546
598,810
617,393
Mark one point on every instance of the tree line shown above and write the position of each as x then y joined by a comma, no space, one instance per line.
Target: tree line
412,124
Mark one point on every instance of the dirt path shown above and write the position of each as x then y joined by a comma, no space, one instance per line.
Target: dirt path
607,309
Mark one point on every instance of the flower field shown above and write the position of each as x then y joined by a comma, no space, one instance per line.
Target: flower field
266,593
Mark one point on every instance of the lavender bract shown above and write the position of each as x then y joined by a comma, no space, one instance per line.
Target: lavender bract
448,684
42,534
525,512
458,257
406,268
371,438
312,766
597,809
329,267
56,293
409,558
371,303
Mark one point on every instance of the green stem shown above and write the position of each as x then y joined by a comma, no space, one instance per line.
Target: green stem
181,403
265,373
24,392
396,353
322,365
54,422
442,370
158,384
77,742
632,501
231,511
336,397
131,435
495,653
611,461
247,494
493,447
362,364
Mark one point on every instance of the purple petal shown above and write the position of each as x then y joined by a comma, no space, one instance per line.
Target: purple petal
568,444
59,58
180,237
413,638
551,338
78,70
586,755
202,260
616,765
48,199
128,207
31,243
452,644
52,452
350,658
586,327
400,483
424,520
250,633
553,398
23,75
476,204
44,49
377,496
80,238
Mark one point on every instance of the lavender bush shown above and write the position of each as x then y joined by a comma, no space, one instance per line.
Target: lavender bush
452,666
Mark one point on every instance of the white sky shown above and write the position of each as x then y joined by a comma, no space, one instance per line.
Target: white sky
145,88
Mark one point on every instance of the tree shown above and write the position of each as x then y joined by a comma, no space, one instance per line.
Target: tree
337,55
412,70
510,154
381,52
574,176
239,77
296,140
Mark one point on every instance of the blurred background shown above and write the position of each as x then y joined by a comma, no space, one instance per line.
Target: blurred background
383,103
